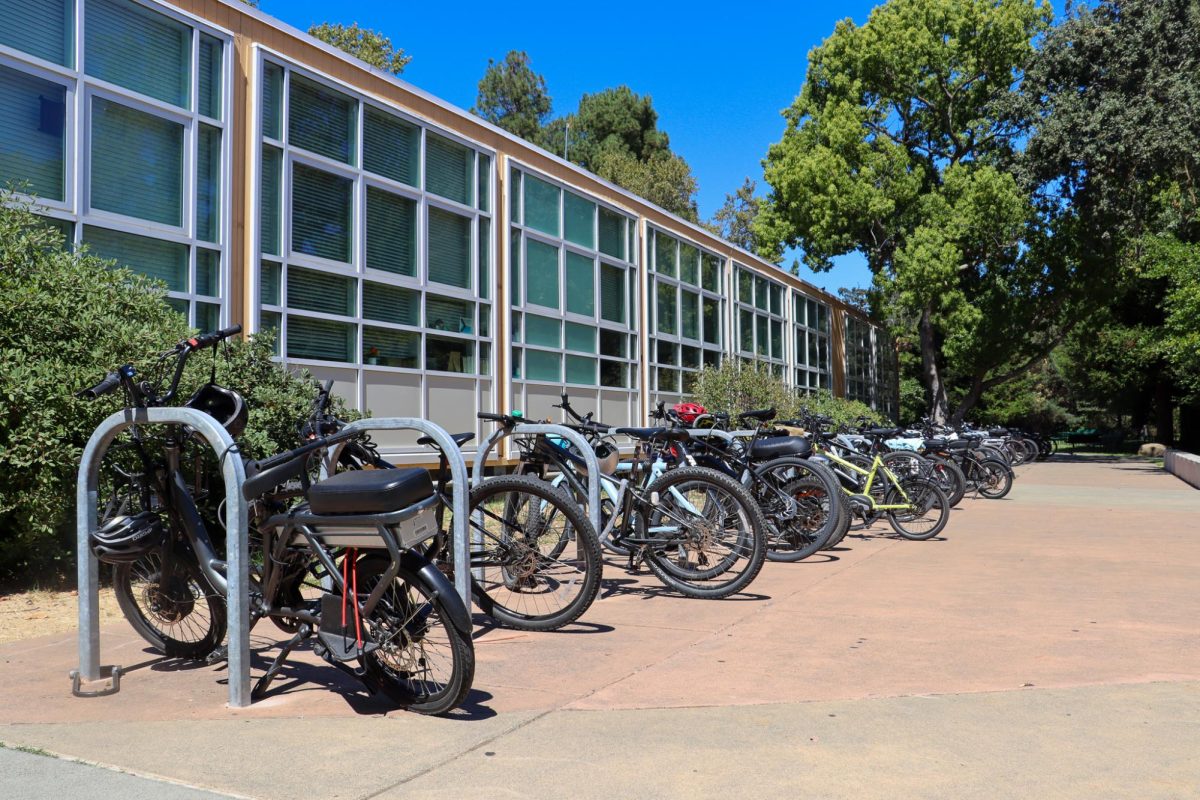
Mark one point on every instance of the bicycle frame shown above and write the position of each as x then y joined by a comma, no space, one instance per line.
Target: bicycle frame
877,466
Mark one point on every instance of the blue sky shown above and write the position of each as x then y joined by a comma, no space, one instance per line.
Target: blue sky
719,73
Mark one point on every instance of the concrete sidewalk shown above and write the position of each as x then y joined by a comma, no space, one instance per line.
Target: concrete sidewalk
1047,645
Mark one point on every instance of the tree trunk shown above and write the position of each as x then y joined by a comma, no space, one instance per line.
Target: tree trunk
968,402
935,390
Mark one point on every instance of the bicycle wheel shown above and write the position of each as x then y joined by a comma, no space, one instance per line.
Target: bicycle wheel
994,479
537,551
421,662
711,532
949,477
928,510
798,525
179,616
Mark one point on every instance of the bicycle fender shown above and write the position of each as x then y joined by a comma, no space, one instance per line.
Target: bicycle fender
435,580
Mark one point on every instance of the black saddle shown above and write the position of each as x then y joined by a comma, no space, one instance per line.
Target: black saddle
936,443
883,433
459,439
647,434
761,414
779,446
370,491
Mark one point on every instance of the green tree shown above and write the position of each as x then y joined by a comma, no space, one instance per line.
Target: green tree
364,44
899,147
513,96
734,220
1115,156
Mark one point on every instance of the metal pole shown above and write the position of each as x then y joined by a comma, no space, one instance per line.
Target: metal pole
237,598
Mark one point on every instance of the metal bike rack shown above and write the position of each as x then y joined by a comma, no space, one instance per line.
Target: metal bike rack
533,429
237,577
460,496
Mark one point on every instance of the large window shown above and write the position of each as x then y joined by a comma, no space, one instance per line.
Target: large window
810,321
689,310
572,288
369,256
759,319
870,366
127,150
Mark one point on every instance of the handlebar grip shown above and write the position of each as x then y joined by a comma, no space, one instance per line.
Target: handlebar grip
209,339
111,381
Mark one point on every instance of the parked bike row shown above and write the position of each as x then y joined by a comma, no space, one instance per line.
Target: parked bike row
357,559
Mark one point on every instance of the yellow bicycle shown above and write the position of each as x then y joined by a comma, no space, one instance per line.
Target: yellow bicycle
915,507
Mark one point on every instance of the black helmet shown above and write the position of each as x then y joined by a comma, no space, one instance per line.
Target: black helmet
224,405
125,539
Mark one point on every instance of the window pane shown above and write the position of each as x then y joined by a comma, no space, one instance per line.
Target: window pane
691,357
449,247
268,284
272,107
776,299
272,178
321,120
485,320
664,254
448,168
760,292
391,147
776,339
612,234
208,272
613,343
391,304
321,213
484,287
320,339
745,331
581,338
208,183
541,269
760,329
581,292
269,323
43,28
449,314
665,309
666,353
165,261
579,217
209,79
712,321
710,273
391,348
320,291
689,264
543,366
132,46
668,380
689,305
543,331
485,182
612,293
581,370
137,163
391,232
614,373
32,133
514,196
208,317
541,206
514,266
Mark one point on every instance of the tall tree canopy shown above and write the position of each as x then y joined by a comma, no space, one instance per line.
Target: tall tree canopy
364,44
734,220
899,146
513,96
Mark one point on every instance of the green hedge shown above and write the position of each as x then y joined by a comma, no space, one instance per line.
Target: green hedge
67,318
741,386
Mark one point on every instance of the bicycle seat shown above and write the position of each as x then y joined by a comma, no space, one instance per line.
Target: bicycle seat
959,444
886,433
937,443
778,446
370,491
459,439
666,434
761,414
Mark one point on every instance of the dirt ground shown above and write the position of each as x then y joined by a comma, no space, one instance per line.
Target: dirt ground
24,615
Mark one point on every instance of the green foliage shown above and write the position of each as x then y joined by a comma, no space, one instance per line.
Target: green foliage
741,386
513,96
734,220
66,319
364,44
898,147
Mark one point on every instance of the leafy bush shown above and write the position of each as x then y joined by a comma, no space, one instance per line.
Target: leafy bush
66,318
740,386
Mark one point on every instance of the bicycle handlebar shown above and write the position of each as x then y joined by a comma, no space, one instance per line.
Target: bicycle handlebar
111,381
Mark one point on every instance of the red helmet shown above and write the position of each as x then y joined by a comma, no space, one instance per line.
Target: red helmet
687,412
